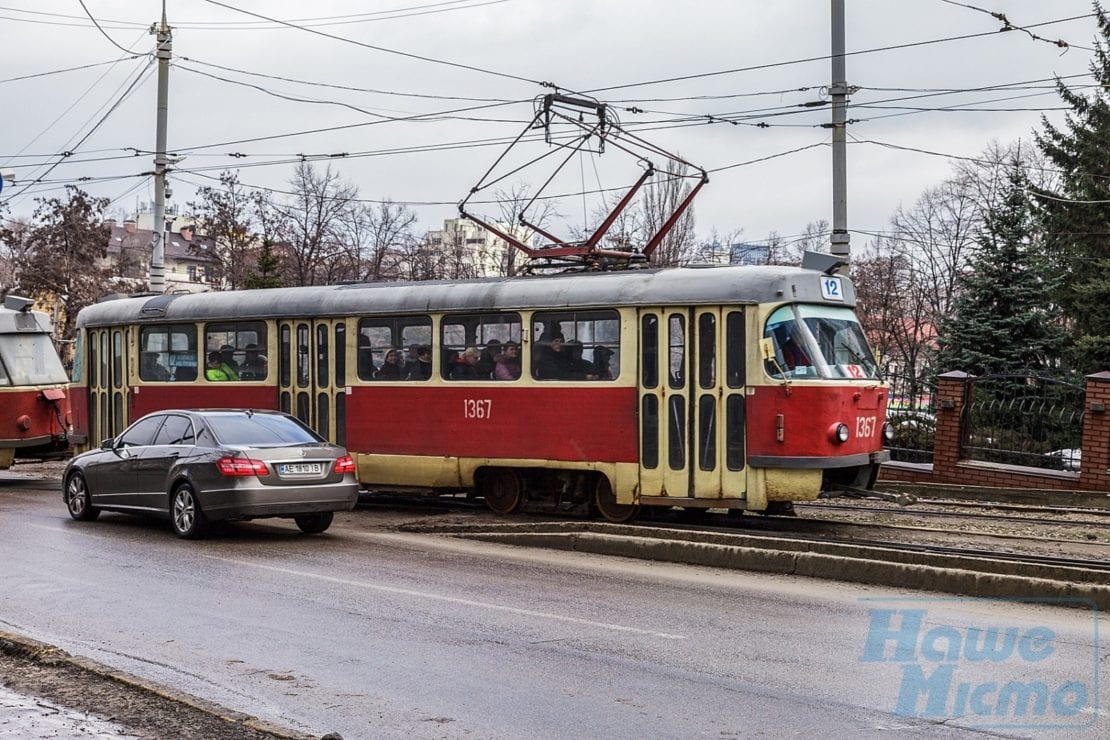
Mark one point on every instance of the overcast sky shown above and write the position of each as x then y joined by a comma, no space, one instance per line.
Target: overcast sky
742,60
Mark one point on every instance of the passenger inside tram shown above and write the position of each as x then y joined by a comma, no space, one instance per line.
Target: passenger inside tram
254,364
508,363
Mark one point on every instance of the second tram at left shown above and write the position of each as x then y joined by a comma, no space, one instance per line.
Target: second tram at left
34,402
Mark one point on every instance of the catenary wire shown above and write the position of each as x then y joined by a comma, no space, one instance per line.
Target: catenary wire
408,55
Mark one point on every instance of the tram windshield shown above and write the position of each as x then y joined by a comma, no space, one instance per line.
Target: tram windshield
29,359
816,341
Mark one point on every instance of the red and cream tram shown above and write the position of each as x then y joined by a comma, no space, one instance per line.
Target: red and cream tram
727,387
33,403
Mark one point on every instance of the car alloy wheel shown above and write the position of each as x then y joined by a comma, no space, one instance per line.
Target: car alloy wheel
188,520
78,499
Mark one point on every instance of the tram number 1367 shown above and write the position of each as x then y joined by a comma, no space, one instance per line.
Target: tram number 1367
477,408
865,426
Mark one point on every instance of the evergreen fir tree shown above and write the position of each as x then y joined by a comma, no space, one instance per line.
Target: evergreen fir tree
268,274
1075,218
1004,319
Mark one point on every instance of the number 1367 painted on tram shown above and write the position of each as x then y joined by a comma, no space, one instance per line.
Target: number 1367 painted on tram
734,387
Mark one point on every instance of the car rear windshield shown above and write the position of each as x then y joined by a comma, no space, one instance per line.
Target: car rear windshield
259,430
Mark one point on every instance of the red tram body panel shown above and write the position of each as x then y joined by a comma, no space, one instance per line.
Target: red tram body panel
732,387
34,398
520,421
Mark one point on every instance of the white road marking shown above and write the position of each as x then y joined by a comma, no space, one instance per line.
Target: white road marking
410,592
446,599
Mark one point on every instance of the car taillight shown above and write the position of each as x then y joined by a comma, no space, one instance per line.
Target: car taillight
233,466
345,465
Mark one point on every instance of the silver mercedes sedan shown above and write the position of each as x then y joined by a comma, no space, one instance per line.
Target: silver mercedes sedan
197,467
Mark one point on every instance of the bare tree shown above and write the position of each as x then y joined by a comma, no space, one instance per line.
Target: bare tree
312,225
814,238
511,203
662,197
893,307
227,215
419,259
715,250
936,236
379,235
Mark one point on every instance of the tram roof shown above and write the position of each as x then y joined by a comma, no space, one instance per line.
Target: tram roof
17,322
727,285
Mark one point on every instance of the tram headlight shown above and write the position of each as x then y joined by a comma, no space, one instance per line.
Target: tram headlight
888,432
839,432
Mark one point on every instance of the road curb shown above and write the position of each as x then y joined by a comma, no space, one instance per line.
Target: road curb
916,576
19,646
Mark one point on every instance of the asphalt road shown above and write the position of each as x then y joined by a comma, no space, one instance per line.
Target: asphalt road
374,633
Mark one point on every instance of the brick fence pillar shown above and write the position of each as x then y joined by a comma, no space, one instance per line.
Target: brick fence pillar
1093,475
950,409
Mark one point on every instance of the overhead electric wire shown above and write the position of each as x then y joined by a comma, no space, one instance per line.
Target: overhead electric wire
343,127
825,57
1008,26
347,88
70,69
119,100
103,32
337,20
61,115
315,101
383,49
428,203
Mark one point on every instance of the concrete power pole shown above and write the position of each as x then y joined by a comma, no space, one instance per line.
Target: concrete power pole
158,228
841,239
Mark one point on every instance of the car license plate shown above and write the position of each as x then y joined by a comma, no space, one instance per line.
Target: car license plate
300,468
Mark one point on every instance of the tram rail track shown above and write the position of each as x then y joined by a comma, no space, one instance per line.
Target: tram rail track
1102,517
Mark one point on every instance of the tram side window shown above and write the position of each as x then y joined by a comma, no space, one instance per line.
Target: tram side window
168,353
397,348
576,345
236,351
734,349
481,347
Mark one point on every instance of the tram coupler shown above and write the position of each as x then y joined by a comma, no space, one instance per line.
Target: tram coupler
902,499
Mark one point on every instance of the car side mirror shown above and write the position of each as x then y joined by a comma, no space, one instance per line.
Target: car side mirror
108,444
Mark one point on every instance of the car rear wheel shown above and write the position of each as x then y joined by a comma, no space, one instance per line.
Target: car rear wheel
314,523
79,500
188,520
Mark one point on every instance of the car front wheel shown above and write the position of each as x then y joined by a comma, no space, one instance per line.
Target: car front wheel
188,520
79,500
314,523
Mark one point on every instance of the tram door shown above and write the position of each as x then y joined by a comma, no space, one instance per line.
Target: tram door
684,409
312,374
108,397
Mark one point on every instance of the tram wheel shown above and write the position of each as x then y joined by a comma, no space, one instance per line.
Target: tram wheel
607,506
502,490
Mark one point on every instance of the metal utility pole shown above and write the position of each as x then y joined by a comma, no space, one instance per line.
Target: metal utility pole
158,228
838,91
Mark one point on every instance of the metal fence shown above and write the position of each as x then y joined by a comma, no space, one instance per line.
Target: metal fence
911,414
1023,420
